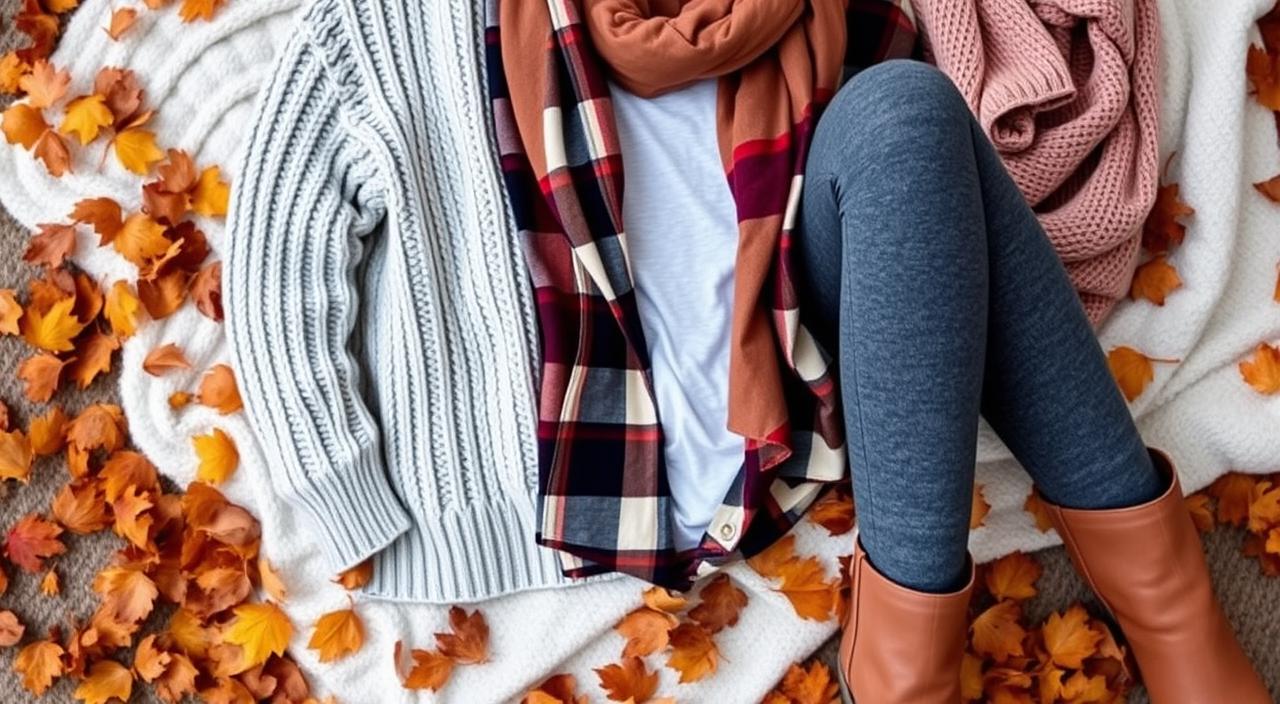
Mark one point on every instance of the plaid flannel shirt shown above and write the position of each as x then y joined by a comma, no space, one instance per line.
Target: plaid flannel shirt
604,498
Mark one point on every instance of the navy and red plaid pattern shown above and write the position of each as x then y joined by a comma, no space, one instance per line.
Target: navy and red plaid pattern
604,499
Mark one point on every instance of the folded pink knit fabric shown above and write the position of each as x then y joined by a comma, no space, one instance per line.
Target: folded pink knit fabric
1067,91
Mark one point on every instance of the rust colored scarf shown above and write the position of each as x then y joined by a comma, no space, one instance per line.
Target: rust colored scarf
776,59
602,475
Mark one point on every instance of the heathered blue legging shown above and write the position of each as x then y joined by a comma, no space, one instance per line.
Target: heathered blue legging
926,272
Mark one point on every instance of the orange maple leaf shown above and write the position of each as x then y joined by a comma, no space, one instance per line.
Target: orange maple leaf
430,670
808,685
337,634
979,509
31,540
1132,369
51,245
661,599
1155,280
469,641
15,455
834,511
11,629
628,681
44,84
1234,492
165,358
104,215
1069,639
1201,513
107,681
1013,576
80,507
556,689
647,631
1162,229
355,577
218,390
94,358
721,603
1262,68
769,562
1262,372
997,632
39,663
805,584
693,653
121,20
128,593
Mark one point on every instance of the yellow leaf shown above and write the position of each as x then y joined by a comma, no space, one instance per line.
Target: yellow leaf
107,680
211,193
137,151
85,117
261,630
140,239
54,330
337,635
218,456
122,309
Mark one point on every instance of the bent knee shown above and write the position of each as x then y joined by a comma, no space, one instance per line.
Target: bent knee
916,85
902,98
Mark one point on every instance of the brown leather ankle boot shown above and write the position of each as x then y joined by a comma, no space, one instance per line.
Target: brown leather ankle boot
1147,566
901,646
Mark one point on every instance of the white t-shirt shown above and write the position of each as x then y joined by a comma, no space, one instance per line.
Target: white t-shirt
682,236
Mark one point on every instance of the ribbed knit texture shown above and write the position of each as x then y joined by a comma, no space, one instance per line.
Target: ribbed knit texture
376,308
1066,89
202,77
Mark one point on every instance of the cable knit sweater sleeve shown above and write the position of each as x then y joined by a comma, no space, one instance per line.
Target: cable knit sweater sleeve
304,207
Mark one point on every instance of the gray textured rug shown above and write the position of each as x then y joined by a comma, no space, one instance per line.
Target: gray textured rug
1251,599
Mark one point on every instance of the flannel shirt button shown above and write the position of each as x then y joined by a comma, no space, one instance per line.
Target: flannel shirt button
726,531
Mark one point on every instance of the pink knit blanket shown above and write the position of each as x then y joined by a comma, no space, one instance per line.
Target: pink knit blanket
1067,91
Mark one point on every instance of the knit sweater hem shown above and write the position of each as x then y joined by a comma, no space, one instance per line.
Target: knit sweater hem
449,560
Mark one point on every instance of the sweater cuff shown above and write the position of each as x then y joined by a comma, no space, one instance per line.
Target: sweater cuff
355,511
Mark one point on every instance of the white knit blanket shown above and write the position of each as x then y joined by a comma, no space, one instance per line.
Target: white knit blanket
202,78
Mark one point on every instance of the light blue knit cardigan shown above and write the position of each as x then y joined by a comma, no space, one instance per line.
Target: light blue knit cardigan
377,305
